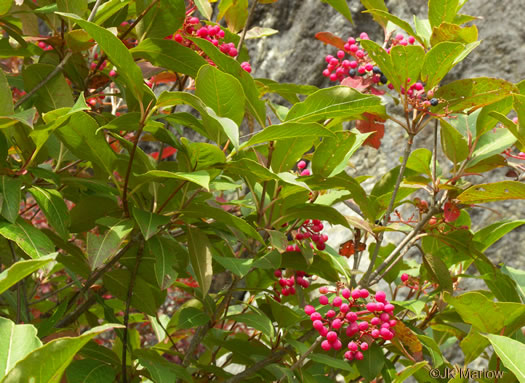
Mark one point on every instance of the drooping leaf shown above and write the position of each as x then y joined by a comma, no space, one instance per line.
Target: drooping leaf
288,130
335,102
256,320
11,197
342,7
497,191
511,354
6,108
200,258
201,177
149,222
31,240
160,369
47,363
90,371
51,202
169,257
21,269
439,61
117,53
440,11
18,340
103,246
170,55
453,143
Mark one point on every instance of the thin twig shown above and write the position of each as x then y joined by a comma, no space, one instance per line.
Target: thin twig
94,11
248,22
299,361
126,313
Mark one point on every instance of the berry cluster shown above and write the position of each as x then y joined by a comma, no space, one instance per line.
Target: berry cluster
43,45
286,285
310,229
301,165
362,320
192,27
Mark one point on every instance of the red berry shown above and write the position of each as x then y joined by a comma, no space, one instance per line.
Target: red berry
321,246
375,321
344,308
389,307
345,293
337,302
351,316
316,316
352,346
325,345
363,36
349,355
359,355
363,326
364,293
331,336
411,40
336,324
337,345
364,346
330,314
278,273
371,307
323,290
404,277
323,300
317,324
380,296
309,309
306,172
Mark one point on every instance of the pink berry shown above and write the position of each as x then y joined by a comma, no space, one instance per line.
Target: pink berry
380,306
390,86
364,293
344,308
353,329
336,324
351,40
360,54
42,44
354,48
389,307
352,346
351,316
325,345
356,294
328,58
323,300
323,331
301,165
316,316
364,346
337,345
340,54
386,334
363,326
289,248
317,324
193,20
337,302
369,67
285,292
334,61
321,246
330,314
380,296
305,172
384,317
411,40
400,36
385,325
345,293
331,336
375,321
363,36
404,277
309,309
403,42
371,307
359,355
112,73
349,355
375,333
233,52
326,73
323,290
296,248
392,322
278,273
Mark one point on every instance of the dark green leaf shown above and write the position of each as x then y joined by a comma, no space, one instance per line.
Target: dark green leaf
10,198
439,61
164,18
6,108
149,222
160,369
31,240
372,363
201,177
191,317
200,258
289,130
256,320
21,269
453,143
90,371
103,246
51,202
238,266
170,257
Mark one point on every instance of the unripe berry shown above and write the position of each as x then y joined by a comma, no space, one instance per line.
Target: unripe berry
385,325
418,86
354,48
291,290
317,228
326,73
309,309
331,336
325,345
323,290
323,300
290,248
296,248
434,102
233,52
380,296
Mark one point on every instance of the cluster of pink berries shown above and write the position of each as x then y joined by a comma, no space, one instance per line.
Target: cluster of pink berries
362,321
42,45
338,68
213,33
286,286
310,229
301,165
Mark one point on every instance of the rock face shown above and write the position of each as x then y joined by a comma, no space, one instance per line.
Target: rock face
294,55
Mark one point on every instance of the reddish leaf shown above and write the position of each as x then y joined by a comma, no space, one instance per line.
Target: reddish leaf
165,153
372,124
451,212
164,78
330,38
357,83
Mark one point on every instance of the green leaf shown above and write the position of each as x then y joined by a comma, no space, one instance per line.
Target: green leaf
439,61
337,363
453,32
332,155
47,363
383,61
231,66
402,376
256,320
423,30
31,240
289,130
453,143
440,11
146,297
342,7
271,261
380,5
284,315
484,314
259,32
335,102
191,317
372,363
109,9
6,108
204,8
52,204
5,5
200,258
486,121
55,94
488,235
117,53
201,177
103,246
419,161
473,93
238,266
308,211
497,191
231,129
407,62
79,136
18,341
491,143
21,269
438,271
165,17
287,152
11,198
517,276
170,55
149,222
160,369
90,371
169,256
78,7
511,354
221,91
